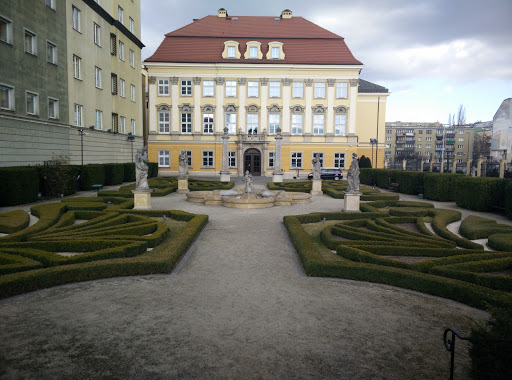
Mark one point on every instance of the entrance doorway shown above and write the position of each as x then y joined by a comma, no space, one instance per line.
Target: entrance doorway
252,161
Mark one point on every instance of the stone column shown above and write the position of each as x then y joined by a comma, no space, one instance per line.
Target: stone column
219,98
175,113
264,97
308,96
431,165
503,164
421,165
441,170
152,113
479,167
353,107
224,173
468,167
329,130
197,124
286,105
278,173
404,164
242,83
454,166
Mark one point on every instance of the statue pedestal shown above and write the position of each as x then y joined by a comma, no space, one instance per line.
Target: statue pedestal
225,176
277,177
351,202
142,199
316,187
182,186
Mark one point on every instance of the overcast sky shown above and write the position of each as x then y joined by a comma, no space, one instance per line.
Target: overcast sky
431,54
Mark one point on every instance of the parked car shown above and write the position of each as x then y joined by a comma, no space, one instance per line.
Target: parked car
329,173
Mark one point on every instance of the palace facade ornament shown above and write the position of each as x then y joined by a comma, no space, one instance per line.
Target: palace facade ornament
354,82
264,81
163,107
308,82
219,80
242,81
331,82
208,108
174,80
186,108
197,80
286,81
152,80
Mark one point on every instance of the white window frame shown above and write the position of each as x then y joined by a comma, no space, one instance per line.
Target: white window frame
271,158
253,125
319,155
164,122
35,100
339,157
120,14
77,67
51,48
207,159
10,97
121,51
231,52
132,127
55,102
186,123
164,158
253,89
97,77
132,58
189,157
295,159
231,88
51,4
132,92
122,122
229,123
296,130
341,90
460,146
274,89
98,123
163,87
33,42
208,123
318,127
297,88
274,122
8,30
319,90
276,52
186,87
232,159
78,115
208,88
75,18
131,24
340,125
121,87
253,52
96,32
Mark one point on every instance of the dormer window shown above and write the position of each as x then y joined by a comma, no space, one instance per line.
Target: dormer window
275,51
253,50
231,50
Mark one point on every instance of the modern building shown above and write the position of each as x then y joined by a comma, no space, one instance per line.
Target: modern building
434,143
71,81
260,77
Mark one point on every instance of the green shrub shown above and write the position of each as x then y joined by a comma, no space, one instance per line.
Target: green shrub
114,174
152,169
13,221
18,185
440,186
500,242
480,194
475,227
92,175
129,172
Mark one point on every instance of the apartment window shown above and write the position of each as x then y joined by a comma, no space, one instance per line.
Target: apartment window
232,158
32,103
121,87
30,43
121,51
253,52
130,24
339,160
428,139
97,77
439,132
460,153
340,125
320,156
208,123
319,90
231,123
186,88
164,122
115,122
428,146
429,131
188,153
252,123
230,88
97,34
132,127
75,18
113,82
420,146
318,124
460,146
207,158
122,120
99,120
163,158
163,87
6,97
297,122
113,44
420,139
132,92
275,52
78,115
461,138
271,158
132,58
296,162
208,88
389,131
5,30
77,64
186,123
420,132
120,14
298,89
388,138
253,89
51,52
231,52
273,123
53,108
51,4
341,90
275,89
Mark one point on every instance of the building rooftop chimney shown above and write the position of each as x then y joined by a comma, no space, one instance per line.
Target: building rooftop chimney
222,13
286,14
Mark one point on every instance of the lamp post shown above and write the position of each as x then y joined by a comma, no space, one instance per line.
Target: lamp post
82,133
374,141
131,139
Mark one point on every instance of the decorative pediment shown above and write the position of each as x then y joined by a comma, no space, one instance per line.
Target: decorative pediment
186,108
208,108
297,109
340,109
230,108
274,108
318,108
163,107
252,108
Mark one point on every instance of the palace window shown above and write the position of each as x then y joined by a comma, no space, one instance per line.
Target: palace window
186,123
319,90
271,158
275,89
320,156
252,123
163,158
275,50
189,157
231,52
231,123
186,88
208,88
318,124
297,122
163,87
339,160
273,123
340,124
253,89
208,123
296,160
253,52
298,89
275,53
232,158
231,88
208,159
164,122
341,90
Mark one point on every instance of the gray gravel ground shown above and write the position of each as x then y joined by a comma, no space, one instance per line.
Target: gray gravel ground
238,307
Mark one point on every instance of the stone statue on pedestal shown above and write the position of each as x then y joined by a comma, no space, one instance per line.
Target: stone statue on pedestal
183,165
141,169
353,175
248,182
317,168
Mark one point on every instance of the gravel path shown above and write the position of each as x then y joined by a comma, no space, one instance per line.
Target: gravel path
239,307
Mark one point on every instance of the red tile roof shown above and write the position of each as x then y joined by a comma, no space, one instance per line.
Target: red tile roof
303,42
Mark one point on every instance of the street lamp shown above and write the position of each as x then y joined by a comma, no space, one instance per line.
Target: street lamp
131,139
81,132
374,141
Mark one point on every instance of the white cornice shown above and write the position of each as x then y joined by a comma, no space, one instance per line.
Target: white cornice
240,66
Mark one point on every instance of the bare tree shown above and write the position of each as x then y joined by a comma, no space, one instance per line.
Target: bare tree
482,145
461,115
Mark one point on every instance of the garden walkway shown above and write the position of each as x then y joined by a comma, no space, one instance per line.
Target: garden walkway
238,307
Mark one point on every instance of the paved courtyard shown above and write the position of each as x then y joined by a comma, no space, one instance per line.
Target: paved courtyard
238,306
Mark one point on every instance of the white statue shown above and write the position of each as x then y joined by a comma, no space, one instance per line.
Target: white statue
183,165
317,168
353,175
248,182
141,169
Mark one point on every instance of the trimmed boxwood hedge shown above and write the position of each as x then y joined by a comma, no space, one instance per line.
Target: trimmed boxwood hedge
18,185
13,221
114,174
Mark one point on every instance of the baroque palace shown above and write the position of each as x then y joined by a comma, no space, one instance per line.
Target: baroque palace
255,79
